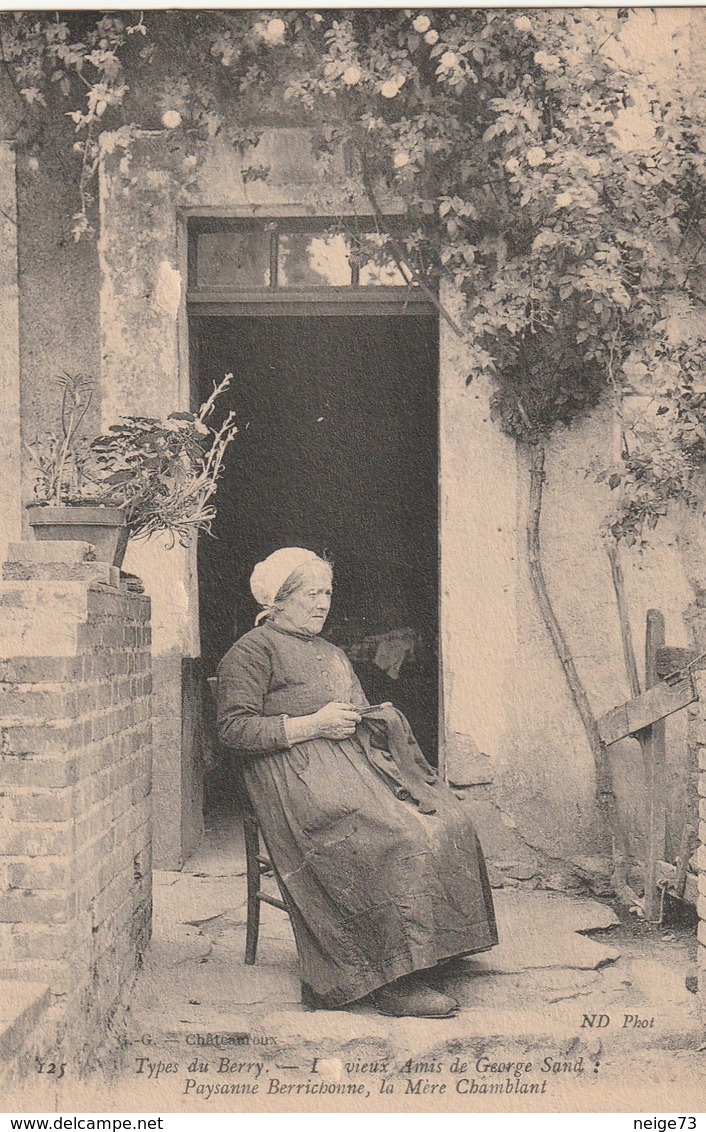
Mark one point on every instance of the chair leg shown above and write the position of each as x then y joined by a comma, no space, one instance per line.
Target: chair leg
252,849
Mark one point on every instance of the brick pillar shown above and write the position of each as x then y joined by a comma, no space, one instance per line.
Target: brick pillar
75,780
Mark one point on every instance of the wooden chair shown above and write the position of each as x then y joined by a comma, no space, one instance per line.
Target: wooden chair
257,866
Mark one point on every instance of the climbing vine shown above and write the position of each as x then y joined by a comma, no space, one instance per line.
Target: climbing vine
557,182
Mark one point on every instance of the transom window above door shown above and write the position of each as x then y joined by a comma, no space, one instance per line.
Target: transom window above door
292,254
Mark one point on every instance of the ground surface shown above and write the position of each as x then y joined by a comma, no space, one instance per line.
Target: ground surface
575,1010
564,961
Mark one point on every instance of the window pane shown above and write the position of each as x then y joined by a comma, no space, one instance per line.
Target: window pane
378,267
236,260
307,260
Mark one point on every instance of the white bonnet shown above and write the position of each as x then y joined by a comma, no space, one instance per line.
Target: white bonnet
269,576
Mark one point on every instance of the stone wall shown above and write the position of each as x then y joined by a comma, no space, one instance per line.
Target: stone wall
75,785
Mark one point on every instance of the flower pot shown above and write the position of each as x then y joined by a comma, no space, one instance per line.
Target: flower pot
103,527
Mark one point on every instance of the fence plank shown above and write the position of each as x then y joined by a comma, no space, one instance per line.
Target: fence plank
653,705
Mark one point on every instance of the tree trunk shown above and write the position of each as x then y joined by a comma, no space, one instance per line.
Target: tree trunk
604,785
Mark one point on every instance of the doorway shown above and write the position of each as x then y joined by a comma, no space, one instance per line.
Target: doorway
338,452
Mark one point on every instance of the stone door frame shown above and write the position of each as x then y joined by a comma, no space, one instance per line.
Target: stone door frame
382,302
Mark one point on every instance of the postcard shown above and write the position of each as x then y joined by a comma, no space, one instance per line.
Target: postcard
352,615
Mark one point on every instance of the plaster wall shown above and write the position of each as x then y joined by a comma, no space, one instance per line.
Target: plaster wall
504,688
478,503
58,295
143,372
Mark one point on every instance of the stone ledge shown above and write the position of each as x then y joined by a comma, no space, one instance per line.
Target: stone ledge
42,552
94,573
58,561
22,1005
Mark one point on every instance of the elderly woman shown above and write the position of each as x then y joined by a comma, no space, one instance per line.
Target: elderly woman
378,861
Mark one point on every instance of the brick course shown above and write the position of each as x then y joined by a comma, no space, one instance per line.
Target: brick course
75,782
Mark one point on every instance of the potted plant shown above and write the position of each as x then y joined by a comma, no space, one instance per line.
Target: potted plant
141,477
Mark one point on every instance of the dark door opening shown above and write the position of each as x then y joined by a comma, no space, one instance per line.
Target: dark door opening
337,451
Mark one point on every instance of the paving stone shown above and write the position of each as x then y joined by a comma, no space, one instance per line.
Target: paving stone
519,869
540,929
195,900
178,943
22,1004
527,996
161,876
560,978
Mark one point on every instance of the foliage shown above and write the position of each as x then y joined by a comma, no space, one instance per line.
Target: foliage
547,172
162,473
165,473
663,445
61,460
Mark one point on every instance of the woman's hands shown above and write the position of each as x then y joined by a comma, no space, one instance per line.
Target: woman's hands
335,721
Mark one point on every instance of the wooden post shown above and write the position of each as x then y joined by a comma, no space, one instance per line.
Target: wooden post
653,747
687,839
624,618
670,686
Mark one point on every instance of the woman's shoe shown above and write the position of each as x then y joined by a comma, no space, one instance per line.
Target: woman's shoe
413,1002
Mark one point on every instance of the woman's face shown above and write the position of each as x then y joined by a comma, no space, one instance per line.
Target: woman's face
306,609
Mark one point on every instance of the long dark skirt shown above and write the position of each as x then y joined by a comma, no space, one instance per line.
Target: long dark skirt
376,889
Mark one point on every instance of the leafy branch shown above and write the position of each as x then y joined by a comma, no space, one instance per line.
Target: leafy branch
162,473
